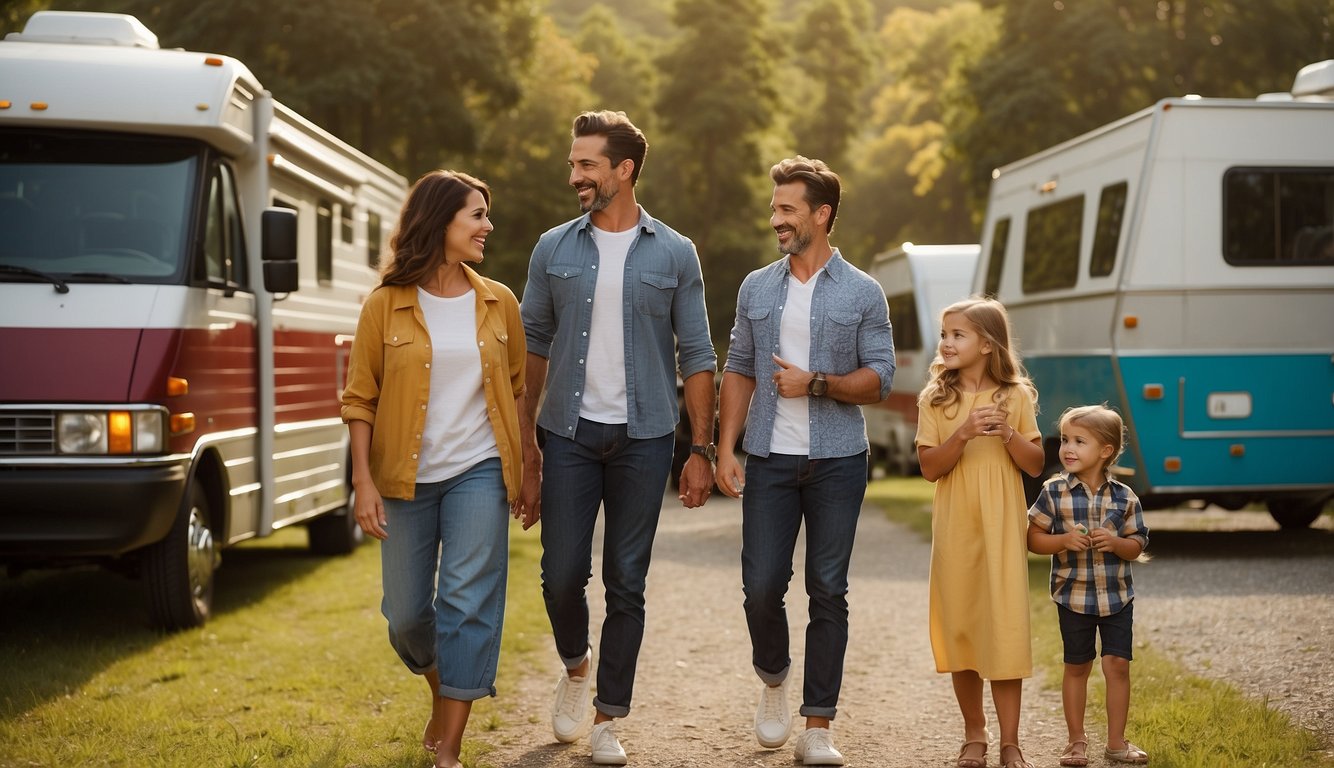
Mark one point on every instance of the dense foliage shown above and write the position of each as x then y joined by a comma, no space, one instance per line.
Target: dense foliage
914,102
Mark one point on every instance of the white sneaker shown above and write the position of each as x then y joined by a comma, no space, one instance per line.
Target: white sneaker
815,746
571,706
773,718
606,747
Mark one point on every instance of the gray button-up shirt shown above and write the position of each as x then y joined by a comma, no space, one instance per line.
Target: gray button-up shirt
849,330
662,307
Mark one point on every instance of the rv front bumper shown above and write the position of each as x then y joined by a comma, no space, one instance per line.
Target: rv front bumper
54,512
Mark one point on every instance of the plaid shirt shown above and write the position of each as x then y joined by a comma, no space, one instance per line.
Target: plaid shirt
1090,582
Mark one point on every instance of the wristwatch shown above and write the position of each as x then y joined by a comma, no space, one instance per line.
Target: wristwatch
709,451
818,386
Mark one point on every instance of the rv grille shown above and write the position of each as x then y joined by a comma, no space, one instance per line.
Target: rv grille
27,433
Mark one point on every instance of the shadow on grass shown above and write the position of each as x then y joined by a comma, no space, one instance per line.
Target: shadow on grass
59,628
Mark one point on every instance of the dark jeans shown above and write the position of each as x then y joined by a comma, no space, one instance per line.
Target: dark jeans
627,477
781,492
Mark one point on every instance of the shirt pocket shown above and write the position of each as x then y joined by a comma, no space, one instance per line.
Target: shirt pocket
760,334
841,333
655,293
564,281
398,339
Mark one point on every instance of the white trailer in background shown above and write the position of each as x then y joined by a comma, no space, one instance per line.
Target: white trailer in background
919,281
1178,264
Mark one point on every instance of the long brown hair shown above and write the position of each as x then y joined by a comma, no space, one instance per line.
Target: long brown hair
989,319
417,247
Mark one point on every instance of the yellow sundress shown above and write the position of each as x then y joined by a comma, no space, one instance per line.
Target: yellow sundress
979,553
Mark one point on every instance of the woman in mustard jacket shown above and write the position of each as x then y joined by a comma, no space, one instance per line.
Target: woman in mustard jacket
436,368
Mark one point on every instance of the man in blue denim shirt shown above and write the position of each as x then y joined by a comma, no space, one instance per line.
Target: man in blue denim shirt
610,298
811,344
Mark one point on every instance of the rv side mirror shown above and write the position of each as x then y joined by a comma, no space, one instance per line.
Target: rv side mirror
278,249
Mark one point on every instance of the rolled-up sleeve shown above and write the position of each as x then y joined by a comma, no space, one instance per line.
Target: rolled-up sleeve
690,319
361,395
875,340
539,319
741,344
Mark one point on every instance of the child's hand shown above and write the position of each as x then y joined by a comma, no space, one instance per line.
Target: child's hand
1103,539
1076,541
981,422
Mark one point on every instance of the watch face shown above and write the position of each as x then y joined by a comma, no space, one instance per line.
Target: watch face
817,387
711,452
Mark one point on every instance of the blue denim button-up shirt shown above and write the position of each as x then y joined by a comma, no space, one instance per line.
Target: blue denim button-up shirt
849,330
662,307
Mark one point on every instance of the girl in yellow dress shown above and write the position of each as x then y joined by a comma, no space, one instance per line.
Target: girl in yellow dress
978,400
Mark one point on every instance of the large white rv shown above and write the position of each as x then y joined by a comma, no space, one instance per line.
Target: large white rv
158,400
1179,265
919,281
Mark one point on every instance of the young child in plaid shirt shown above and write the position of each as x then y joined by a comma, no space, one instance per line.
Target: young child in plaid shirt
1093,527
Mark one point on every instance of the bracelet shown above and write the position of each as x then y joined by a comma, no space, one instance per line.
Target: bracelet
1007,440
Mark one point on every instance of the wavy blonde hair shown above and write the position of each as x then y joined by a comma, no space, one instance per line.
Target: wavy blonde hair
1105,424
989,319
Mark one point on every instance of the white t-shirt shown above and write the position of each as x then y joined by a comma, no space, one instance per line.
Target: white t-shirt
792,421
458,433
605,400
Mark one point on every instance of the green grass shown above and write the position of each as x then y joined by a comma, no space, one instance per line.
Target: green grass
294,668
1181,720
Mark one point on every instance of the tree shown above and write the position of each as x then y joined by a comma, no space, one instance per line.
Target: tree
716,108
624,79
523,152
407,81
829,46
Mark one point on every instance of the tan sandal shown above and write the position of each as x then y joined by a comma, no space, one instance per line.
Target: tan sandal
1075,756
1128,754
973,762
1020,763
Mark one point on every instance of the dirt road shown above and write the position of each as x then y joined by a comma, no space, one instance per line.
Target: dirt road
695,694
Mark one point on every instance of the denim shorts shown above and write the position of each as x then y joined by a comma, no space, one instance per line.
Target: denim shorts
1077,630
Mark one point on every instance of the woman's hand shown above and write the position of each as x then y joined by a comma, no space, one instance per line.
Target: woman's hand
369,511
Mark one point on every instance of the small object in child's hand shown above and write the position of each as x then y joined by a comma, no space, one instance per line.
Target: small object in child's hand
1082,530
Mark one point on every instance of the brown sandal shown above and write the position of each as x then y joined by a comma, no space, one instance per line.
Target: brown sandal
973,762
1020,763
1074,757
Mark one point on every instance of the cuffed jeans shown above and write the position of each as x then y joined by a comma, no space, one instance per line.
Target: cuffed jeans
444,566
781,492
604,467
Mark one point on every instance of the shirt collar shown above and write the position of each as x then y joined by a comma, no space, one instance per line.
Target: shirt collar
585,222
836,267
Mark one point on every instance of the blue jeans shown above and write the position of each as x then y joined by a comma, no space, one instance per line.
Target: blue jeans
781,492
604,467
459,529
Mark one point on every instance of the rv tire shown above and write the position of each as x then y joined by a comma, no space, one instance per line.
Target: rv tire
1296,512
178,570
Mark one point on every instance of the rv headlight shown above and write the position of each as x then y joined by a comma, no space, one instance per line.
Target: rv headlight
81,432
148,432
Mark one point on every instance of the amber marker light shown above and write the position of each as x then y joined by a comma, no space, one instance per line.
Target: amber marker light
1153,391
213,61
39,106
1130,321
1172,464
5,104
1237,450
182,423
120,435
176,386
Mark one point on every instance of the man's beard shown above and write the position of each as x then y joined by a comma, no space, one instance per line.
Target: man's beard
799,242
601,199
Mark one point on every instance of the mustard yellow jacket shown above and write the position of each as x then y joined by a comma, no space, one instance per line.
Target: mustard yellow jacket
389,381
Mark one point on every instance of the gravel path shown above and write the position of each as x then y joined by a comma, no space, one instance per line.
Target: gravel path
1267,627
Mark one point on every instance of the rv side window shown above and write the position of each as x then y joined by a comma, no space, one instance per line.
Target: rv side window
324,242
903,321
1000,235
1051,245
1278,216
373,236
224,243
1107,235
345,219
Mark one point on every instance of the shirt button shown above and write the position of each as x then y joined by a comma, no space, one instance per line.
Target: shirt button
590,301
419,437
576,394
395,339
488,379
428,365
414,455
585,333
581,361
423,406
595,266
481,343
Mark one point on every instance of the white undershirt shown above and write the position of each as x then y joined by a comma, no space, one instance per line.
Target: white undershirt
604,398
458,433
792,422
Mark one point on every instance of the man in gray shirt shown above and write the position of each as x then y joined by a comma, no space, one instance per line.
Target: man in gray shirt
810,345
613,311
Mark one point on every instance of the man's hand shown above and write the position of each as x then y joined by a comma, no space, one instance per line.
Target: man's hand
529,506
696,481
730,476
790,380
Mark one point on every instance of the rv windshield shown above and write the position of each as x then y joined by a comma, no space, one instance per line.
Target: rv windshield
94,207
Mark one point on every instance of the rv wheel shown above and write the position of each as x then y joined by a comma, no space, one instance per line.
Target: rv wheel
1296,512
179,569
